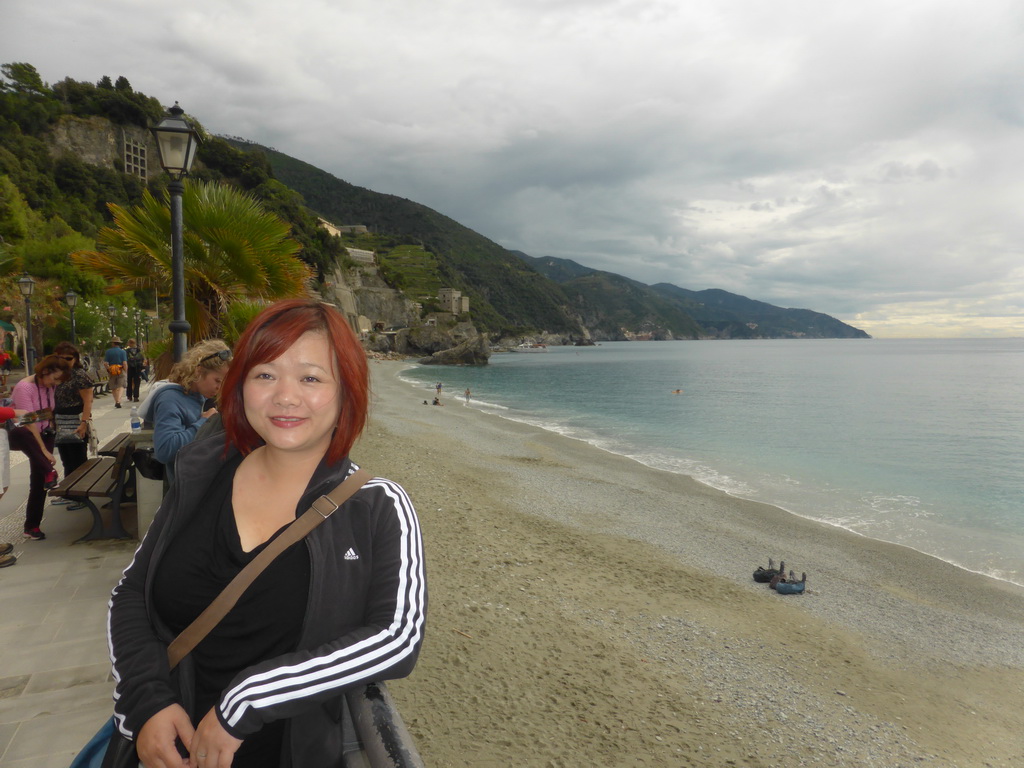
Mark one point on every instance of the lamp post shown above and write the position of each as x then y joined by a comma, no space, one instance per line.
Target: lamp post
146,321
138,336
177,142
72,301
111,313
27,285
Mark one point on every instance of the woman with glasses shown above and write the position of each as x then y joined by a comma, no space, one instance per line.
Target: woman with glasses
179,409
35,393
73,398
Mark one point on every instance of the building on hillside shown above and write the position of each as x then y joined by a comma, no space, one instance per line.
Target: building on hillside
453,301
96,141
367,258
345,229
642,336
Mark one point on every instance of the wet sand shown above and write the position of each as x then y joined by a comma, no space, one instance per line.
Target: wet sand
589,611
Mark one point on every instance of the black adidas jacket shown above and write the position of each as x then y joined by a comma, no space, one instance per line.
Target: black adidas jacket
364,617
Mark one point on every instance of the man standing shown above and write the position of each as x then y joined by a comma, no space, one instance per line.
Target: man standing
135,362
116,362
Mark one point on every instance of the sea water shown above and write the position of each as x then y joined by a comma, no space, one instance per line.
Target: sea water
915,442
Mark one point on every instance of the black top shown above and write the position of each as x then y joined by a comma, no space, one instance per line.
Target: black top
266,622
67,395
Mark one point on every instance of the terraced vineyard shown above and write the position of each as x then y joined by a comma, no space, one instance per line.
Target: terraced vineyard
410,268
413,269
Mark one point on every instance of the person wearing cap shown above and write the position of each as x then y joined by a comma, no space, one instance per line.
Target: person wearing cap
115,360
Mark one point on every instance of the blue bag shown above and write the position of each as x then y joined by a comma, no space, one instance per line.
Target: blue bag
92,753
107,749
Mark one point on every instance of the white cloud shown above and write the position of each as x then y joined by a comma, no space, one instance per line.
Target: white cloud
860,159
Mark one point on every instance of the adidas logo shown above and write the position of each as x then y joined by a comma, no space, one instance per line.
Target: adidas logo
351,554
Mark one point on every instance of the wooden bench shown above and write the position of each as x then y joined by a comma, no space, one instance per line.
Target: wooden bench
102,478
116,443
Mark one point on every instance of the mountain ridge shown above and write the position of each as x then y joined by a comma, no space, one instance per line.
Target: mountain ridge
718,313
608,306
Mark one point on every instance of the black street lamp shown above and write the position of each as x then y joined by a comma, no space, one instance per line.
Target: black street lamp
27,285
72,301
177,142
111,313
147,320
138,335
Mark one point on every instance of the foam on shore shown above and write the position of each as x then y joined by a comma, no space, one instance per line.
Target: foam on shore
588,610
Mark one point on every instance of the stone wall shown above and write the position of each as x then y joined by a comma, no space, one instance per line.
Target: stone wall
97,141
361,293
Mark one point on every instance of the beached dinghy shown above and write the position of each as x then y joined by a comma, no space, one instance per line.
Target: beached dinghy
792,587
765,575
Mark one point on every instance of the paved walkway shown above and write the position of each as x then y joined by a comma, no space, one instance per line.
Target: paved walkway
55,684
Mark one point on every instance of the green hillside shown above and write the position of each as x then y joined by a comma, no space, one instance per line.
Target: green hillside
506,295
55,202
611,300
734,316
413,270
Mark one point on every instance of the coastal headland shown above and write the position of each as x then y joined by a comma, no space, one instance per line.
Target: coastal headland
587,610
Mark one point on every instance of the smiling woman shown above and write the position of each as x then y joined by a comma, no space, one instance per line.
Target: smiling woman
340,608
265,349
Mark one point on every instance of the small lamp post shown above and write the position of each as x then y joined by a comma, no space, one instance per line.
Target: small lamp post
72,301
177,142
112,313
27,285
147,320
138,321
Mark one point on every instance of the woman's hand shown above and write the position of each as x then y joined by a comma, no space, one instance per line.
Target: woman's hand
209,412
212,746
82,429
49,456
156,741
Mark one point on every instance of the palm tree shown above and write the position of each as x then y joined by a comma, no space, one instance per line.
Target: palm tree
234,251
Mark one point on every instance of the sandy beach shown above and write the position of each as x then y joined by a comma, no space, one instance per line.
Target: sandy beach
587,610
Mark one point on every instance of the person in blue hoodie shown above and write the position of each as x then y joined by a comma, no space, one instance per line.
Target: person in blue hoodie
181,407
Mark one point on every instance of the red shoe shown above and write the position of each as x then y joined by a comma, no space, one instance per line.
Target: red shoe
51,479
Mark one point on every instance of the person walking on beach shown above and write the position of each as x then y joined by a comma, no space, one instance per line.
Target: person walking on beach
438,388
467,394
115,361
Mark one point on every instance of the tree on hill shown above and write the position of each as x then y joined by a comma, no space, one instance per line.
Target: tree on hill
235,251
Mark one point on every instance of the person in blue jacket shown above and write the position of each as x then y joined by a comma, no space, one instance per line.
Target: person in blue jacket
183,406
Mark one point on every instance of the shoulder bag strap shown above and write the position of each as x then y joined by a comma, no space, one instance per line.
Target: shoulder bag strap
322,508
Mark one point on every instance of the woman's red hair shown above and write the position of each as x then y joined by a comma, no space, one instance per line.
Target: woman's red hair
266,338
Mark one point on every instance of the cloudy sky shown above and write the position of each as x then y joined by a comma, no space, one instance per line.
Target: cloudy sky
863,159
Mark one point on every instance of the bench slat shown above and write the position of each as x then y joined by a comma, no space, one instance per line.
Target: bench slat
91,479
